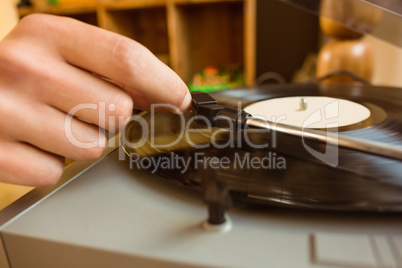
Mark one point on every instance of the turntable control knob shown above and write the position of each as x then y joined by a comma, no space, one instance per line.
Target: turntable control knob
216,196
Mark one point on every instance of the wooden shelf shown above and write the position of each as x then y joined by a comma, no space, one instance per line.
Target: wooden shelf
59,10
189,35
147,26
132,4
69,10
24,11
193,2
206,35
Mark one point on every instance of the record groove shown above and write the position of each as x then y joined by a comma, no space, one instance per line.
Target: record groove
360,181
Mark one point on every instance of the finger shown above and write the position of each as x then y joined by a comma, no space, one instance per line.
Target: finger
26,165
50,130
114,56
63,86
142,102
86,96
65,135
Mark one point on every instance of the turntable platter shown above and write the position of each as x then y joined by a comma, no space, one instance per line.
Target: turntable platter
291,171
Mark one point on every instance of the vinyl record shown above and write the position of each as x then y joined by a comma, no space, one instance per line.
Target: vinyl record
278,169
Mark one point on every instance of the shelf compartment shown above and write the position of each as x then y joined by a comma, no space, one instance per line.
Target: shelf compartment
147,26
210,33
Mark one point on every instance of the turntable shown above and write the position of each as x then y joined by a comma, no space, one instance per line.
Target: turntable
327,196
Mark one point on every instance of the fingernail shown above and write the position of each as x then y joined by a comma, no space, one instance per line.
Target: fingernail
185,105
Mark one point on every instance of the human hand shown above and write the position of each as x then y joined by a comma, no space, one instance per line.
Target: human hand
55,70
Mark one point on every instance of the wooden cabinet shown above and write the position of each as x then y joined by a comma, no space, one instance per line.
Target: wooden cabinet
206,34
188,35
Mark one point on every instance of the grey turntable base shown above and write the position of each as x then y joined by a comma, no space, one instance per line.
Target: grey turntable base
113,216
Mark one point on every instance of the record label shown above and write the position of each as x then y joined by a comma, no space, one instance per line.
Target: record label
310,111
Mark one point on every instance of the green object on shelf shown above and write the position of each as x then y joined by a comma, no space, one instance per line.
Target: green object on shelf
213,79
53,2
210,88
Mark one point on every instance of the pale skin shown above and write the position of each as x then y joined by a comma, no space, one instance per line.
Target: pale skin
48,66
